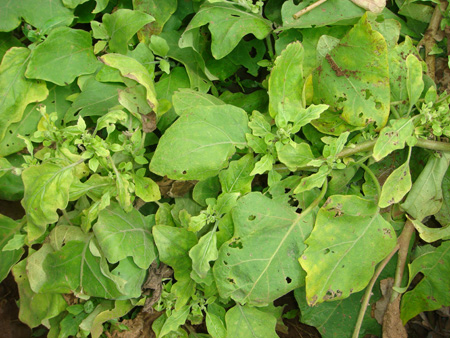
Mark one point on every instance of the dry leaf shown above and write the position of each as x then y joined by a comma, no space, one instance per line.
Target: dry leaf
382,303
375,6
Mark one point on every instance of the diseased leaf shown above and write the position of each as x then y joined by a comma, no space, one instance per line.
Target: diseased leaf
46,190
200,142
431,235
134,70
336,319
121,308
433,290
122,25
397,185
176,319
8,228
357,91
146,188
263,165
393,137
349,238
425,197
246,321
122,235
188,100
286,85
66,54
414,81
228,25
16,92
254,276
35,308
161,10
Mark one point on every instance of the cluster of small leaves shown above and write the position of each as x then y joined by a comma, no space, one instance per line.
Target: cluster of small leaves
204,158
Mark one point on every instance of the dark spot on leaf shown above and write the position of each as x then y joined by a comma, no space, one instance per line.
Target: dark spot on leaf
184,172
231,280
251,217
288,280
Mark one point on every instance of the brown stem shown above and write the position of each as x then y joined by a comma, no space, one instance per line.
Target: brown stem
429,39
403,243
307,9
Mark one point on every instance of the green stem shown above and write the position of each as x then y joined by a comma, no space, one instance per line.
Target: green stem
270,48
433,145
368,293
373,177
395,112
357,148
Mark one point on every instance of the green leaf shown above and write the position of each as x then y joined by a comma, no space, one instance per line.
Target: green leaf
176,319
263,165
122,25
204,252
431,235
205,189
160,10
443,216
393,137
237,177
358,91
228,25
121,308
8,229
433,290
294,155
254,276
16,91
397,185
210,135
313,181
329,13
35,308
132,69
286,85
165,89
173,246
246,321
188,100
398,72
146,189
335,319
425,197
215,325
122,235
7,41
66,54
349,238
414,81
95,99
37,13
199,75
46,190
73,268
259,124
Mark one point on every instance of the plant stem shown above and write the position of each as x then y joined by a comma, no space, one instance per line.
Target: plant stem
395,112
307,9
368,293
357,148
433,145
270,47
373,177
403,243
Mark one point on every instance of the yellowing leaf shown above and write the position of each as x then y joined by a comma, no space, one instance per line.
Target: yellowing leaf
16,92
349,238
